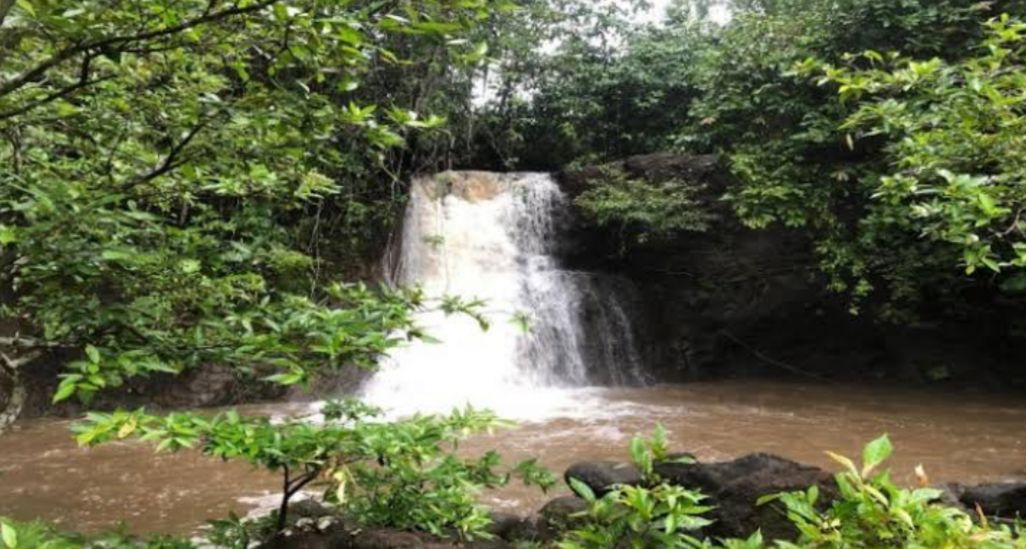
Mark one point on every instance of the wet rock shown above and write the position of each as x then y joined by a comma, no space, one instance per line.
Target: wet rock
341,536
715,304
758,475
603,476
560,511
951,495
309,508
468,185
1005,500
513,527
734,487
558,516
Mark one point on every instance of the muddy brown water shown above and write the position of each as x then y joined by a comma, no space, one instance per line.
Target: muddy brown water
956,437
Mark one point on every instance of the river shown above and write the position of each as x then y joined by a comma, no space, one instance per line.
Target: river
957,437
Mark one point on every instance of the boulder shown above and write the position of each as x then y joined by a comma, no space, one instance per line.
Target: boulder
735,486
1004,500
562,509
513,527
558,516
757,475
951,496
603,476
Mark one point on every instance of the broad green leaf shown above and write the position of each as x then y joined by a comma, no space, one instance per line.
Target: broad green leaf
582,490
9,535
875,453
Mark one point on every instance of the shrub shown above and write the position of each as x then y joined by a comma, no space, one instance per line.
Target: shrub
873,512
403,474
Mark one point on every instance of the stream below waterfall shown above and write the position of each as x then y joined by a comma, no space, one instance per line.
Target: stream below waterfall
957,437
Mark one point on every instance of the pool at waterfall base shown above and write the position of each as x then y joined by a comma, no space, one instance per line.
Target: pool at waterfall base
955,436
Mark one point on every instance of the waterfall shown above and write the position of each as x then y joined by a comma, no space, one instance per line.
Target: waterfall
494,237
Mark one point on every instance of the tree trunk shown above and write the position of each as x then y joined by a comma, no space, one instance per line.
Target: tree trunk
15,400
11,370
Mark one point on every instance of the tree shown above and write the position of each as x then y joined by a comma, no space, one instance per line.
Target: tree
955,173
402,474
164,157
784,137
167,158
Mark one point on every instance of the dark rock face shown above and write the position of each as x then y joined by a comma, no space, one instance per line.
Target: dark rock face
603,476
1004,500
733,301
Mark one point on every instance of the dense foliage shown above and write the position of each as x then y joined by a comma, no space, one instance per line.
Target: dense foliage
184,181
36,535
874,512
901,165
954,147
189,183
657,515
641,211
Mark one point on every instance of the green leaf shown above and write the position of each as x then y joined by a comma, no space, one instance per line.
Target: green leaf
582,490
9,535
93,353
845,461
27,6
189,266
875,453
8,235
65,390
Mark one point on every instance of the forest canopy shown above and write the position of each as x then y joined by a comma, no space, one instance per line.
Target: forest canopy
890,133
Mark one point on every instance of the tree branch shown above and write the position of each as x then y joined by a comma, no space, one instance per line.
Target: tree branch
114,42
15,402
772,362
21,342
13,365
169,163
83,82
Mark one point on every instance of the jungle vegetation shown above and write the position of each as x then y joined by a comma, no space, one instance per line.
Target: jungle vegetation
187,183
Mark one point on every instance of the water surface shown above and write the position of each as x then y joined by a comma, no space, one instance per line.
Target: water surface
968,438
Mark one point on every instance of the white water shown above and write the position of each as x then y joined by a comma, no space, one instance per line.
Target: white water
493,237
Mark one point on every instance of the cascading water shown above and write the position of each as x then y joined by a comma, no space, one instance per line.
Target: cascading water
493,237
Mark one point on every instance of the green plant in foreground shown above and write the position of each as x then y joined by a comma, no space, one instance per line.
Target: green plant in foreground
403,474
37,535
639,516
873,512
